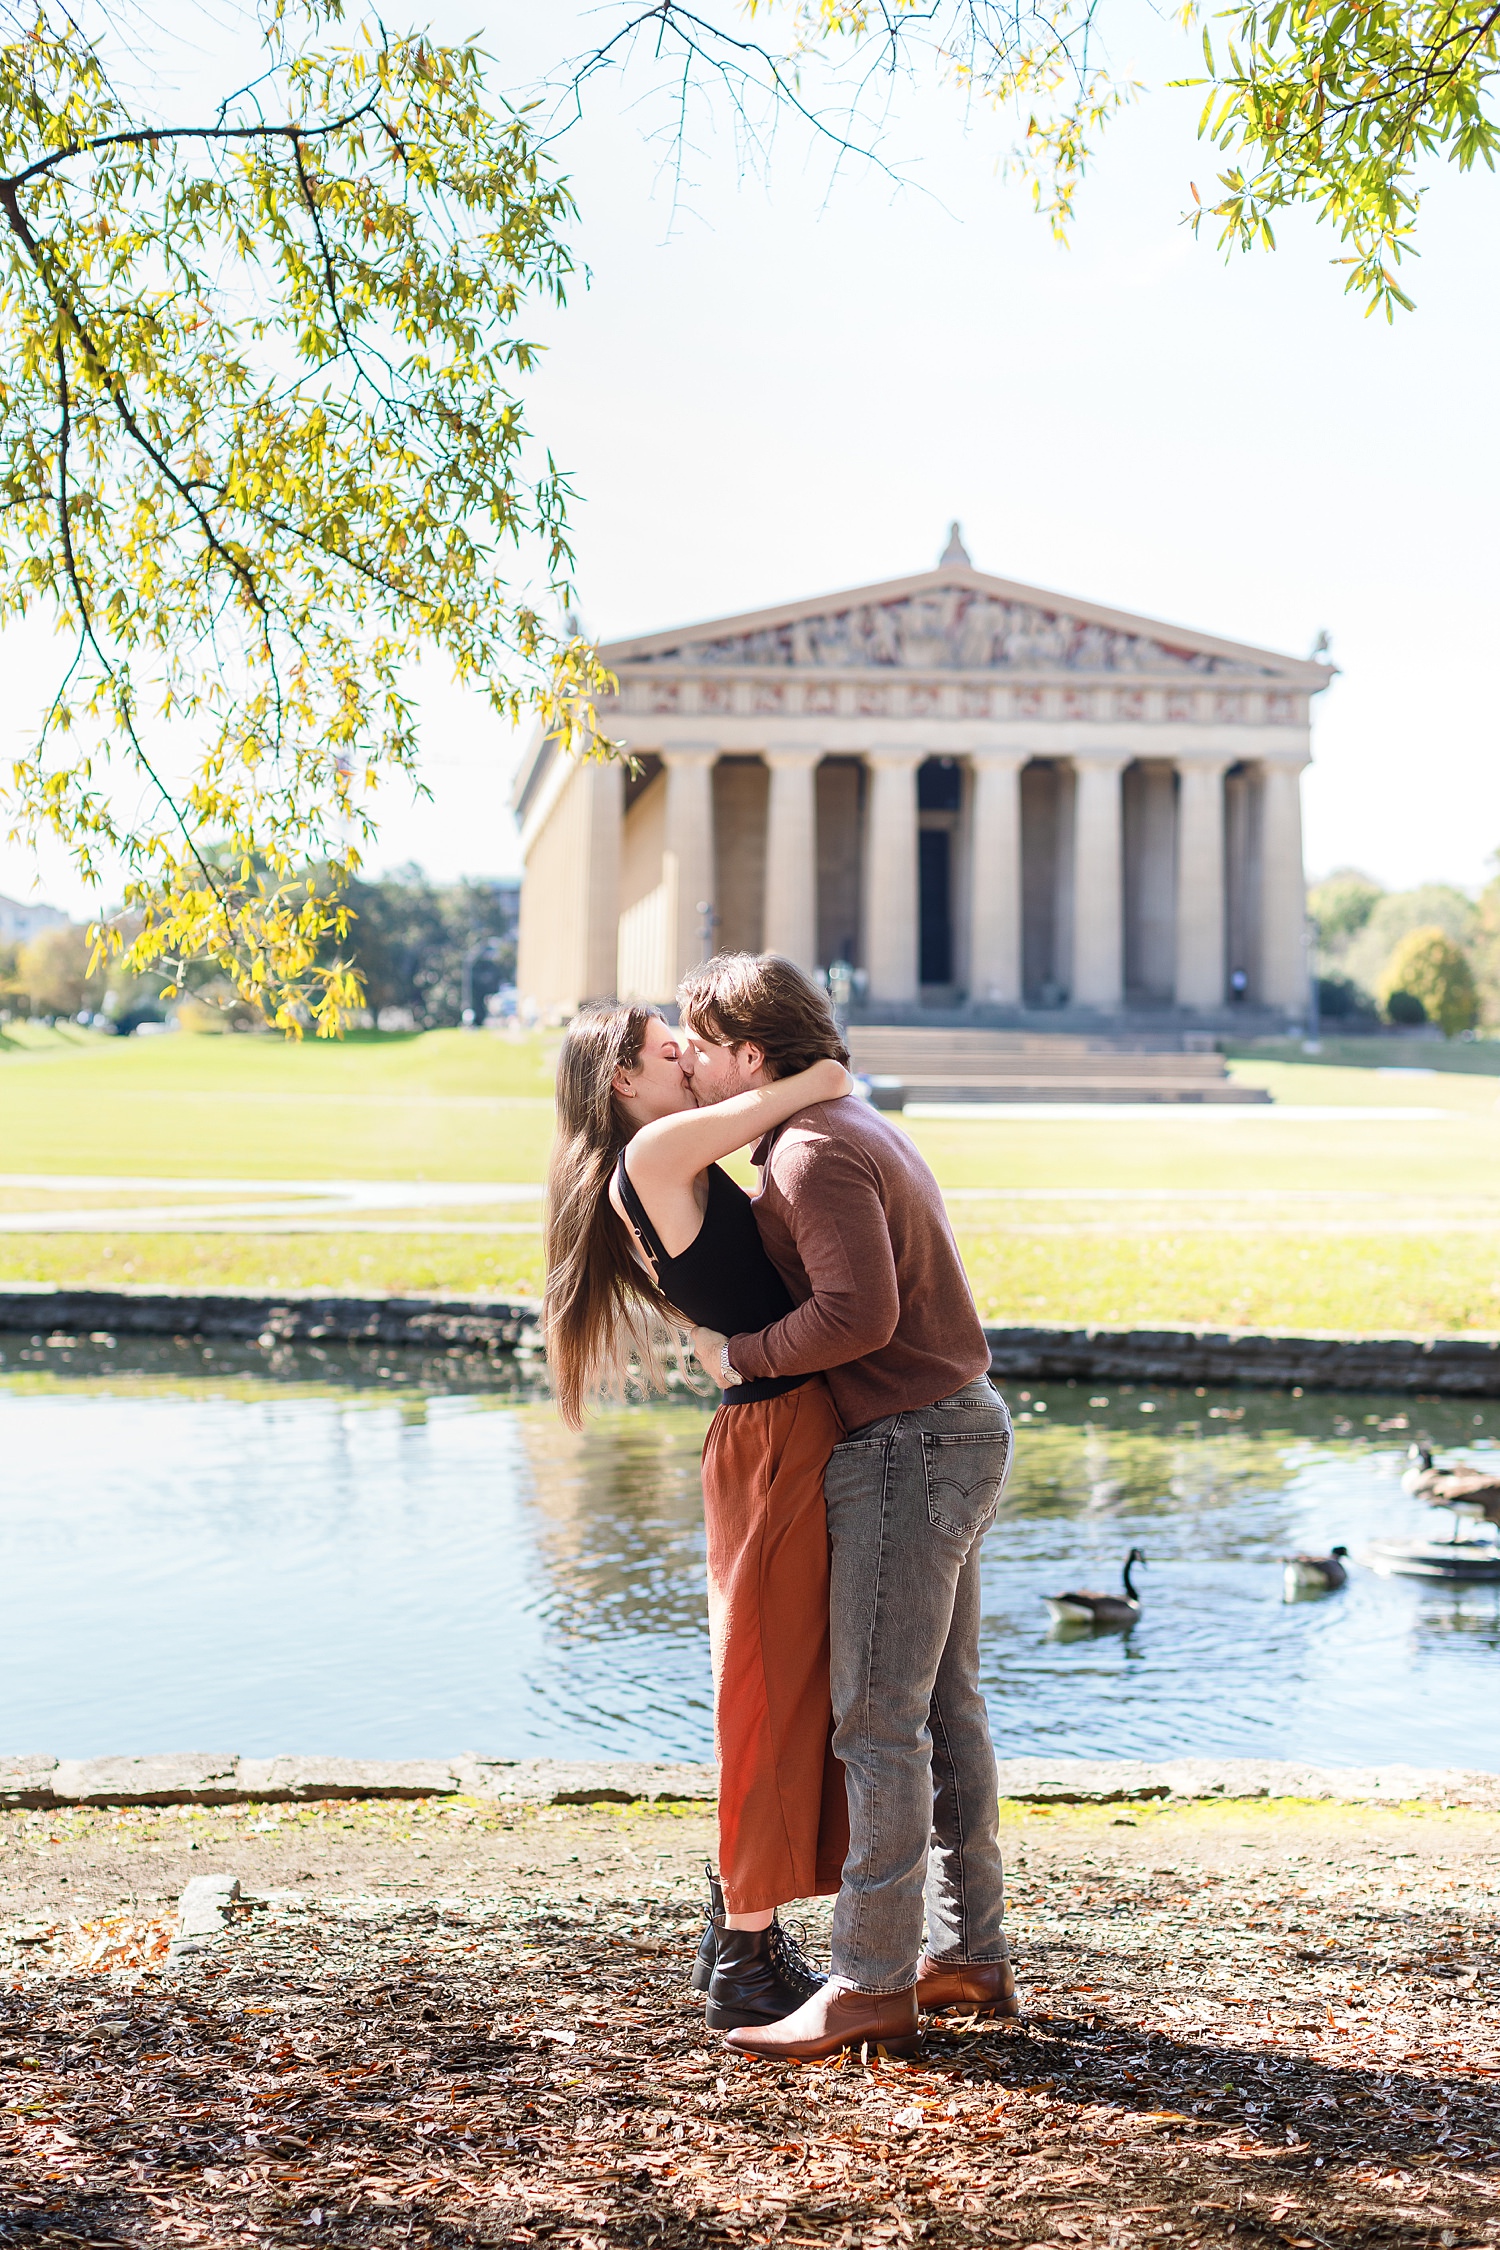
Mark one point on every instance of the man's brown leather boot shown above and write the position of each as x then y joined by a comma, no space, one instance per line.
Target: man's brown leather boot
986,1988
836,2016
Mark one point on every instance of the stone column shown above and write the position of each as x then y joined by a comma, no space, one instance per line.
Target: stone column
995,880
1098,883
890,904
606,831
1200,882
791,916
570,898
688,853
1283,896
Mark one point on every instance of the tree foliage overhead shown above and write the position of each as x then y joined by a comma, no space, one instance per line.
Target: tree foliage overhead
1337,104
261,448
1333,105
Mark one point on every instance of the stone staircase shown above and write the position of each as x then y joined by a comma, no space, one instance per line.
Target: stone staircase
928,1063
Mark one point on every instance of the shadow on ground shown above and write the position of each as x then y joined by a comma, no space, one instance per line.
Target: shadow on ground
1260,2054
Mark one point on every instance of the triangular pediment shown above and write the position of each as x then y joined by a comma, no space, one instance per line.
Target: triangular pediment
954,619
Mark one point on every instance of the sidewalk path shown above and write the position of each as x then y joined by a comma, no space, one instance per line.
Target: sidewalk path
146,1205
268,1206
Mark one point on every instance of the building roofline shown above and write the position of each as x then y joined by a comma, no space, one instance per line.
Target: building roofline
1303,672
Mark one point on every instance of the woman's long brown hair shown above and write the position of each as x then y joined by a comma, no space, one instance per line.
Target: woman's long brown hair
599,1301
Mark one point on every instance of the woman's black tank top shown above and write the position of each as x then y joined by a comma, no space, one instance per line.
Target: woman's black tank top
723,1279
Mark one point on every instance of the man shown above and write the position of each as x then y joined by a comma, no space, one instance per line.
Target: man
854,1222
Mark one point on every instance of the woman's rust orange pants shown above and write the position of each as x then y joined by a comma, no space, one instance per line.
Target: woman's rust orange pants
783,1812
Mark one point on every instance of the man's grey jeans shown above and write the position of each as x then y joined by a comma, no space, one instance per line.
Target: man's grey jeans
909,1501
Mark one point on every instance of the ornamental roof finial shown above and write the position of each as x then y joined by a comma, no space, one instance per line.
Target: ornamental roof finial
955,551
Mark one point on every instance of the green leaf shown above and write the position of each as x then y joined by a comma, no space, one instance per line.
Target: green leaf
262,447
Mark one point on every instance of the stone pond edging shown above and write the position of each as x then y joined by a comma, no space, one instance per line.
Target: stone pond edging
1450,1366
422,1323
208,1779
1441,1366
224,1778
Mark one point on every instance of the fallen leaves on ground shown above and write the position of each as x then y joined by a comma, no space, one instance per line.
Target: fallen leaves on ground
114,1942
1307,2058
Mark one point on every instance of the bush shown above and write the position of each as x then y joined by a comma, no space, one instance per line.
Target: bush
1429,969
1340,998
1486,949
53,971
1431,906
1404,1007
12,993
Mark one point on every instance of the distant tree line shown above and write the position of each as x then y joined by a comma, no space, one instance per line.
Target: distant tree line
410,940
408,937
1427,955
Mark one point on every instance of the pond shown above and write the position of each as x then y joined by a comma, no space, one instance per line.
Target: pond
388,1556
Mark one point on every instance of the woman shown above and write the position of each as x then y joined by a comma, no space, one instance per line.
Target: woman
642,1222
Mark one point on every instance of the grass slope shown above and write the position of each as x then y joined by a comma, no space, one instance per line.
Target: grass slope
446,1105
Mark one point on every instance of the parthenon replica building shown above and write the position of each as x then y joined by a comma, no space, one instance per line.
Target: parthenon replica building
990,801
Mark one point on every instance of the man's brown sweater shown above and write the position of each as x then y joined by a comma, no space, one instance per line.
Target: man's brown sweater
854,1223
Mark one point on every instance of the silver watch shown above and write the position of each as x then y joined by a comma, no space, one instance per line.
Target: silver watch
727,1376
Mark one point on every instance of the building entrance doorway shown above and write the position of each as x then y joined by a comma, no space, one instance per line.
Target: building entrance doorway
935,866
940,783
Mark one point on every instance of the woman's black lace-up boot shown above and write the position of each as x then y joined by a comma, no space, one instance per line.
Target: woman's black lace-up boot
708,1944
759,1977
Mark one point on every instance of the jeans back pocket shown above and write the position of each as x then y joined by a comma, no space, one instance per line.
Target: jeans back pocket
965,1475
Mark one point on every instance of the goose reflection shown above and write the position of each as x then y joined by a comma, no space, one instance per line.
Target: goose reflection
1465,1616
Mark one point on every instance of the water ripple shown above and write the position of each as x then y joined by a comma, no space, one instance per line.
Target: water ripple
387,1562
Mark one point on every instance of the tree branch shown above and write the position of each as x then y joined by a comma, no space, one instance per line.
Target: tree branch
10,204
730,58
139,136
86,622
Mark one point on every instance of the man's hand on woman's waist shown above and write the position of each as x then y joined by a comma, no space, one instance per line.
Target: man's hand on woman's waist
711,1350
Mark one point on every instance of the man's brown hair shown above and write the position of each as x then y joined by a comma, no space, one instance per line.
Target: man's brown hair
768,1000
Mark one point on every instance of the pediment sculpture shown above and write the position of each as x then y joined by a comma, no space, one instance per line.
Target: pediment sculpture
952,630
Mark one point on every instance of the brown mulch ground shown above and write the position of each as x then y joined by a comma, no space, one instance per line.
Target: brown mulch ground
454,2025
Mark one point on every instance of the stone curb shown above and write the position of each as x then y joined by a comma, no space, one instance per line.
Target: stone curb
1105,1781
1449,1366
203,1779
222,1778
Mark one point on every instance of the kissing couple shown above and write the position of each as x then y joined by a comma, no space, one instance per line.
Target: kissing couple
849,1477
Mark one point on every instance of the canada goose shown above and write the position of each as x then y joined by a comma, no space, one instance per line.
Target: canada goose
1473,1492
1099,1609
1313,1574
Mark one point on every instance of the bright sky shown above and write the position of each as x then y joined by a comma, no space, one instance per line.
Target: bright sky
789,384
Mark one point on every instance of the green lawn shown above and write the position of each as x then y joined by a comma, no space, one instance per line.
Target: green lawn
1243,1220
449,1105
